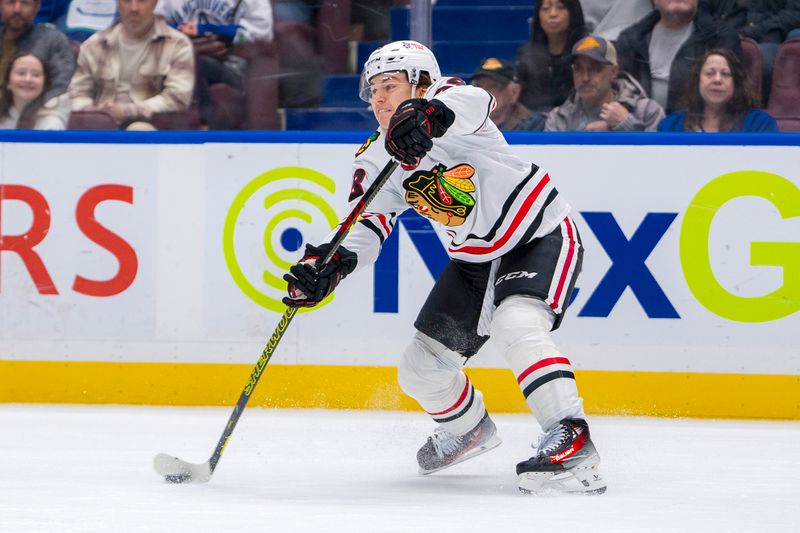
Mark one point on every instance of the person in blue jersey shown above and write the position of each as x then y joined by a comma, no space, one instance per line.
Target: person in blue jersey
719,97
214,26
515,254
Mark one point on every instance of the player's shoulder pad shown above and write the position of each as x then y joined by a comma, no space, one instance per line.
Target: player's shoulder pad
443,84
372,138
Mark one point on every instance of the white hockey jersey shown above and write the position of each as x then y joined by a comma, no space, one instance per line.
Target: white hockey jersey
483,200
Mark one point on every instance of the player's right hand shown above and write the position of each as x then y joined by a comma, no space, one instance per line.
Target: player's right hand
413,126
308,285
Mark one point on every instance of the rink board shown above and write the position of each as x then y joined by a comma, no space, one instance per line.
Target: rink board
147,270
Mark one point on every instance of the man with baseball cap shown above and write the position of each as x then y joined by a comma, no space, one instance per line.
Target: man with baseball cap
604,98
498,78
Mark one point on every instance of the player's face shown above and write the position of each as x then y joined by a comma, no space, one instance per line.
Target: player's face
26,79
592,80
716,81
554,17
387,92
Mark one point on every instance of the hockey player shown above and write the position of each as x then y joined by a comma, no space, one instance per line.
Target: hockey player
515,255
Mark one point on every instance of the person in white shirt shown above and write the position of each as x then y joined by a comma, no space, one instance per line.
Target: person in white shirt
515,255
607,18
22,97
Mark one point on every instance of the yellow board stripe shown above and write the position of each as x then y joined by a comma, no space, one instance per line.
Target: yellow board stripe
357,387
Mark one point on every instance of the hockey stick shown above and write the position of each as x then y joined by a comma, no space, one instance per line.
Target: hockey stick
176,470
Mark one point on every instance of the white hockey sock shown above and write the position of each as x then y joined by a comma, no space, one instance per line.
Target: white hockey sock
521,329
433,375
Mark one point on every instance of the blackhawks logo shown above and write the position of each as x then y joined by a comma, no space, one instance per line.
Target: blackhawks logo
442,194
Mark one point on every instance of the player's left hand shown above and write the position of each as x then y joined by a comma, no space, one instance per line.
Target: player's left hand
413,126
309,282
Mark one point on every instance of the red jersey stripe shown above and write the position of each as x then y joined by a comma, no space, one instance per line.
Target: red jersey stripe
459,402
567,264
540,364
382,219
520,216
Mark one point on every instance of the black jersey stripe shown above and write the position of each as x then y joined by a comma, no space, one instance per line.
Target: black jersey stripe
489,237
534,227
538,382
488,112
375,229
461,412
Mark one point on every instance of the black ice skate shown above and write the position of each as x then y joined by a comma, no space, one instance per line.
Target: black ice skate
566,461
444,449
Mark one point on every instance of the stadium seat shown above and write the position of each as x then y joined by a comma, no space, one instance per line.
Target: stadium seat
753,61
91,120
333,34
472,23
785,93
340,90
331,119
260,103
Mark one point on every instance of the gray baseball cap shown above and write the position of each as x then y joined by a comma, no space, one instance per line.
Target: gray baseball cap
595,48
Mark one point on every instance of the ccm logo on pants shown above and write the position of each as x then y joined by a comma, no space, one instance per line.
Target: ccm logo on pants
515,275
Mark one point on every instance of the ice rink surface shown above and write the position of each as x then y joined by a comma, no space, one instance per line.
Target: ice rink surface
88,469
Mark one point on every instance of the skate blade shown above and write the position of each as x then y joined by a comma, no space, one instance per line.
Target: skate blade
586,481
490,444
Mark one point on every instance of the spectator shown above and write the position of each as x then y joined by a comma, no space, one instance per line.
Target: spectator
765,21
768,22
214,27
137,67
20,35
543,63
22,97
497,77
604,99
719,97
659,50
607,18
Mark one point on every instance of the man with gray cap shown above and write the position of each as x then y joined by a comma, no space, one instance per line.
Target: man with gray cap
498,78
604,98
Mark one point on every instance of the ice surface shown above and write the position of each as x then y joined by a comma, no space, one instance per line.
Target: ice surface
89,469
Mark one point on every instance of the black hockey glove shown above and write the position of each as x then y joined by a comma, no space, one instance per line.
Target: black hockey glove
413,126
308,285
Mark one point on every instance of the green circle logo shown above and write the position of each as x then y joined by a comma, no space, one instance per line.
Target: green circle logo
292,206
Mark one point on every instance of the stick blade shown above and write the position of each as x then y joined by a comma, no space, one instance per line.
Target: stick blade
175,470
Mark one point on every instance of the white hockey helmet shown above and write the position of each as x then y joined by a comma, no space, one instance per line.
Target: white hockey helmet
410,57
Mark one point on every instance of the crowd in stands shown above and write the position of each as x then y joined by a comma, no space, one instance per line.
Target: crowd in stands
587,71
590,65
